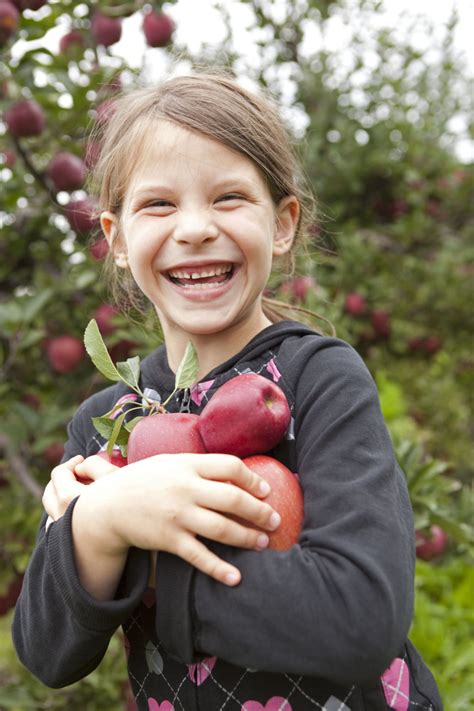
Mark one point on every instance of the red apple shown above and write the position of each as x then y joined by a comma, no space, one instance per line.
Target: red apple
355,304
432,545
381,323
171,433
286,497
115,458
71,41
106,30
247,415
29,4
431,344
9,18
25,118
66,171
99,249
11,594
301,286
65,353
81,214
104,315
157,28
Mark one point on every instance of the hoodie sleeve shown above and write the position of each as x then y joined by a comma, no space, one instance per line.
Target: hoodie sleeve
59,631
338,604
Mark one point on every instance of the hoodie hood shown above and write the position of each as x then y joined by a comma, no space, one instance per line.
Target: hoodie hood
156,372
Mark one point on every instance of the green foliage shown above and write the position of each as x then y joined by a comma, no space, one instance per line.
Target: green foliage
396,222
442,628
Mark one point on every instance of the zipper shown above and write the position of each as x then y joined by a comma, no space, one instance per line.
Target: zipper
186,401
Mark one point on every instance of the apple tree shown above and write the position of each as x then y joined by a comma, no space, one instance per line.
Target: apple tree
389,261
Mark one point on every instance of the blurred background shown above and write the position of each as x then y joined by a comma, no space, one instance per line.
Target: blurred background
379,97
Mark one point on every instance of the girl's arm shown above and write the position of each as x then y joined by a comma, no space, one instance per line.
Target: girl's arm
338,605
60,632
77,587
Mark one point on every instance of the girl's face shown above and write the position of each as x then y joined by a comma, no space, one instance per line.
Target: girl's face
199,230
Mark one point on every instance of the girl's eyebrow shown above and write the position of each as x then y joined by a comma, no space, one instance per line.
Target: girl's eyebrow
152,190
149,191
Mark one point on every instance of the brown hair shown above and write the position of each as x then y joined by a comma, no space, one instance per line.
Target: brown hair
214,104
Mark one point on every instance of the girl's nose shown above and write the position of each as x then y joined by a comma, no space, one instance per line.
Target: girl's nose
195,227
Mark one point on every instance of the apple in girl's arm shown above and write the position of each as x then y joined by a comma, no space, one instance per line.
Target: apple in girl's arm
116,458
247,415
169,433
286,497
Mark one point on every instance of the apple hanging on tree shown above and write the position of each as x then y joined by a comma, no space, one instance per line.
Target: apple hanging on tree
9,18
25,118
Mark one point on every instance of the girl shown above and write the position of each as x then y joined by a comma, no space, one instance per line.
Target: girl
199,192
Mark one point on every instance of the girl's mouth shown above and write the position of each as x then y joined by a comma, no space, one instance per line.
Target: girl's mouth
201,278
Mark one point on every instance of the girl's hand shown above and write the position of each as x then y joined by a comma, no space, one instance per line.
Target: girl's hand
64,487
166,501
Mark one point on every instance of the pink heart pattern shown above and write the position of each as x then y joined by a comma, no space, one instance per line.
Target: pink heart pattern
273,370
276,703
396,685
199,390
199,672
153,705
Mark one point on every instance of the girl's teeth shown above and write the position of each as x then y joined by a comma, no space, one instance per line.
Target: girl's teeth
199,286
214,271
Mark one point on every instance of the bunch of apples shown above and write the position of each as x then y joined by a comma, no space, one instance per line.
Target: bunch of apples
246,417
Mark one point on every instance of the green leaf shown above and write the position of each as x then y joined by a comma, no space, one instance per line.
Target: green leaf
130,371
131,424
104,426
98,352
187,371
118,433
33,306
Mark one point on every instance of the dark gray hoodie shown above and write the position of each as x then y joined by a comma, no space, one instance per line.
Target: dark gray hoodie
323,625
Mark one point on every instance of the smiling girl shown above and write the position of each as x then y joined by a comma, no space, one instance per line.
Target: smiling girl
200,193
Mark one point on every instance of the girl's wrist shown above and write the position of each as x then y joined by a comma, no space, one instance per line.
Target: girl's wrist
94,522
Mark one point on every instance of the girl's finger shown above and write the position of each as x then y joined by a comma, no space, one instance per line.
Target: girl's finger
196,553
56,498
234,500
225,467
94,467
224,530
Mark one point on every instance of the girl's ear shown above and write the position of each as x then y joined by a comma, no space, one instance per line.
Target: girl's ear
287,216
109,224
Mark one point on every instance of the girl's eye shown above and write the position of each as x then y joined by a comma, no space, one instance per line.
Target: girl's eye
159,203
231,196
